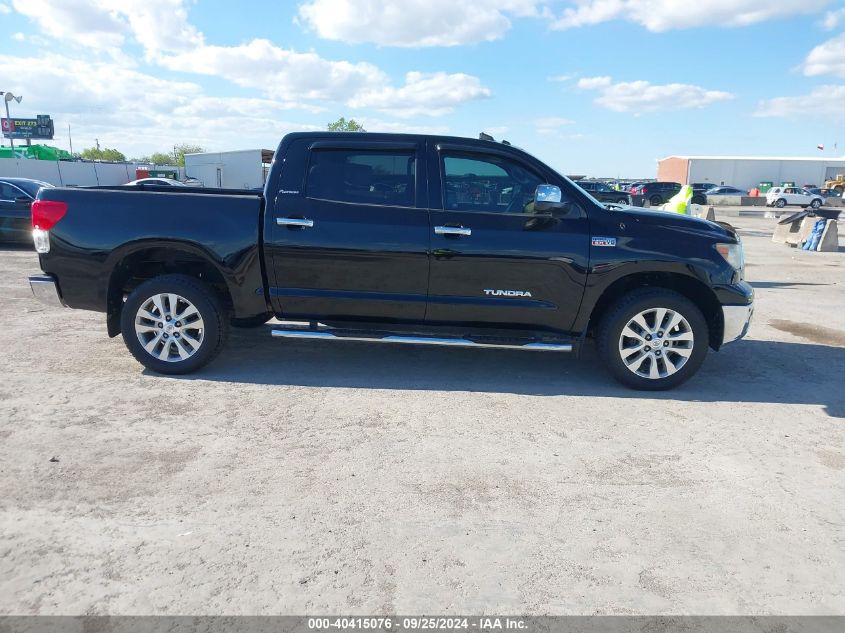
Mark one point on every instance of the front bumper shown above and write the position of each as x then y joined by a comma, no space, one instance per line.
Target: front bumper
737,320
46,290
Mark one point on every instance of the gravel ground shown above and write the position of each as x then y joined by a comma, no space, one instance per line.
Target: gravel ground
310,477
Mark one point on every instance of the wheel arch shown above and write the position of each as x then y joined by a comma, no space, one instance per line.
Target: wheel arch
693,289
142,261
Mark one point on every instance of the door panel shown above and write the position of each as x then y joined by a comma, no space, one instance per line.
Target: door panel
515,268
351,240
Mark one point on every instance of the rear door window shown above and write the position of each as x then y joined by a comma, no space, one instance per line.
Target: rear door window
362,177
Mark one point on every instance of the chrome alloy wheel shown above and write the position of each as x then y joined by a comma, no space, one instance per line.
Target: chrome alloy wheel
656,343
169,327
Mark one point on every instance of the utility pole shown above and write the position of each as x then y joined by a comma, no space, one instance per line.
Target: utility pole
8,96
70,139
97,141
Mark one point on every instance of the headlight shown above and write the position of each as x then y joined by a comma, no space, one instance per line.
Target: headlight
734,254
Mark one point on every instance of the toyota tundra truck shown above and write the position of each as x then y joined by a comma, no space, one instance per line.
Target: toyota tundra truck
390,238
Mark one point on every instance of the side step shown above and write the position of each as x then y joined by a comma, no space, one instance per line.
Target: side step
329,334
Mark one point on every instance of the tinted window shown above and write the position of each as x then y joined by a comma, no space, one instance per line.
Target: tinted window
492,183
8,192
32,186
362,177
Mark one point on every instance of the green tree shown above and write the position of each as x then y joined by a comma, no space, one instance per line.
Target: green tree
159,158
342,125
185,148
93,153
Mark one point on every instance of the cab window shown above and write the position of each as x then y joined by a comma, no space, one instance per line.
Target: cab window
494,184
362,177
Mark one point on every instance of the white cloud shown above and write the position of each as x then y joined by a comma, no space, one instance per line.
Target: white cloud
664,15
138,113
827,58
561,78
279,73
19,37
826,101
413,23
429,94
832,19
594,83
5,9
88,24
642,96
158,25
306,80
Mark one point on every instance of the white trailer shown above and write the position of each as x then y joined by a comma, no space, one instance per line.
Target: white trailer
241,169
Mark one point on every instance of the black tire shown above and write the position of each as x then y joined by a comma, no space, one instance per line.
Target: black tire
780,203
816,203
698,199
655,201
839,189
214,328
251,322
618,316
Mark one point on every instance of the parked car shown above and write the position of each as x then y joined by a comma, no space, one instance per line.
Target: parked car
603,192
699,189
782,196
16,196
155,182
725,191
392,238
824,193
658,192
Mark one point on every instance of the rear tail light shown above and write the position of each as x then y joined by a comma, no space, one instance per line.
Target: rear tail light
45,215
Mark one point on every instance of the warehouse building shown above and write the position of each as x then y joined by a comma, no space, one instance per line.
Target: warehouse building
746,172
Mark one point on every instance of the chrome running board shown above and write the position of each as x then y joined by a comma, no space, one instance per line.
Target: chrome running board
326,335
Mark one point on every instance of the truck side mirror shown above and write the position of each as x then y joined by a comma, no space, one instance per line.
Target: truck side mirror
548,199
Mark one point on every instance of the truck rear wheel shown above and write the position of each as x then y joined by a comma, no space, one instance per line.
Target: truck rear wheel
653,339
173,324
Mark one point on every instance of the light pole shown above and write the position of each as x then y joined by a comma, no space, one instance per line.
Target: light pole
8,97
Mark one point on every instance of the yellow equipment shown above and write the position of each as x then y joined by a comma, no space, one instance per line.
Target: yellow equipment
837,185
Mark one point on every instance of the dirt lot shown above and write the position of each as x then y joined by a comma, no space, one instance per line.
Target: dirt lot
293,477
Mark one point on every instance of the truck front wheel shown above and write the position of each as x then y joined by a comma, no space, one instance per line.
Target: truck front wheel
173,324
653,339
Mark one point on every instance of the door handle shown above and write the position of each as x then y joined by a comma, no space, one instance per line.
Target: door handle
452,230
303,223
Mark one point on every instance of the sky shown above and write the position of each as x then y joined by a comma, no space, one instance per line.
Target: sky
592,87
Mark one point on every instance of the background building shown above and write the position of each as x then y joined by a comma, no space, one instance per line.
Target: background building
746,172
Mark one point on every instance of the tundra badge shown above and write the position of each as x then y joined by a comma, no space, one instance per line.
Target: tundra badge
507,293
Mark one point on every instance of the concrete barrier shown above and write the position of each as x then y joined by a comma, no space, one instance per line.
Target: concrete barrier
830,238
787,233
797,232
737,201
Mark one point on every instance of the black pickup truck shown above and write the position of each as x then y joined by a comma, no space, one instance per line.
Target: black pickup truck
401,239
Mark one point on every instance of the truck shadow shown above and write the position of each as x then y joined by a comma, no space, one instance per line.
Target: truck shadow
751,371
